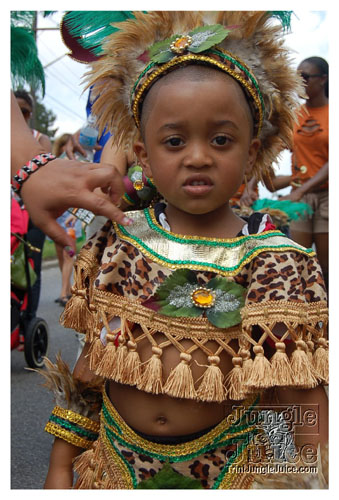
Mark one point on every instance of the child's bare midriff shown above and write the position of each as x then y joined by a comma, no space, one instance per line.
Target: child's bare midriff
161,415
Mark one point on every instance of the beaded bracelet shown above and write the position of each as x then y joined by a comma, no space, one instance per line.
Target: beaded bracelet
31,166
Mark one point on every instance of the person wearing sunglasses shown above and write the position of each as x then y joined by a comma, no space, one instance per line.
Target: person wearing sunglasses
309,176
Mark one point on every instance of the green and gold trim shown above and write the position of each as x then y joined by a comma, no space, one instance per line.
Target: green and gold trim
217,58
239,427
72,427
223,256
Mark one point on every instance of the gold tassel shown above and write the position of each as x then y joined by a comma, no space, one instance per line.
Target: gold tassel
310,350
302,369
118,367
77,314
320,360
131,374
95,353
261,371
212,386
108,361
234,380
180,383
281,368
151,380
247,365
83,465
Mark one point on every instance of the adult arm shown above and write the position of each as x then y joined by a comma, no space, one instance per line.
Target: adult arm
276,182
314,182
61,184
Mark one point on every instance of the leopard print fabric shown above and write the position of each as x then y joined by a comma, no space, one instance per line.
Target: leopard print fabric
125,271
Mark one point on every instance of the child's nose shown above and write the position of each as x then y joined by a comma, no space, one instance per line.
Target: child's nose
198,156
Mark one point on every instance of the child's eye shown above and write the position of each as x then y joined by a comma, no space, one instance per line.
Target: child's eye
174,141
221,140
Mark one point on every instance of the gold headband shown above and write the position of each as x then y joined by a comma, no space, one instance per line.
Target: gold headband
216,58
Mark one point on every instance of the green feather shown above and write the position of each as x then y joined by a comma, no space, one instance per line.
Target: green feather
26,67
293,209
94,26
284,16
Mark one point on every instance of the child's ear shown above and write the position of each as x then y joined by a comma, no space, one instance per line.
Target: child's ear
252,155
141,152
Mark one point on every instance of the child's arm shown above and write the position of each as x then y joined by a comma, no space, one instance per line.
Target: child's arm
309,411
78,385
60,471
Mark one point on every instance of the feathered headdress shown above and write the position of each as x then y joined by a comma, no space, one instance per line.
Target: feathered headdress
246,45
26,67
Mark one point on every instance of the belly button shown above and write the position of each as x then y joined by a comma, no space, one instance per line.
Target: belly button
161,420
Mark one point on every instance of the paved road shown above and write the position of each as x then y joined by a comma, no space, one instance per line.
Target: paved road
31,404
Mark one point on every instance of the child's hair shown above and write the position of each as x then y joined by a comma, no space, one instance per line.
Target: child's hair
322,66
247,46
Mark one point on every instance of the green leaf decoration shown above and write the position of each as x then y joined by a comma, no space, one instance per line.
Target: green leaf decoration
206,37
178,278
219,283
178,312
174,298
168,478
223,319
160,51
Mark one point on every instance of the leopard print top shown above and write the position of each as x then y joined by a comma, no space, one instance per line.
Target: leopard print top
121,271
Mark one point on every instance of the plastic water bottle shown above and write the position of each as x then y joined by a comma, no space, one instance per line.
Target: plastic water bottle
88,137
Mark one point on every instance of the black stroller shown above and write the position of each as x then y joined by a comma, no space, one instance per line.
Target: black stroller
28,333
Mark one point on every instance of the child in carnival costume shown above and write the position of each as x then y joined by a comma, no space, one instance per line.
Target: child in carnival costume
194,319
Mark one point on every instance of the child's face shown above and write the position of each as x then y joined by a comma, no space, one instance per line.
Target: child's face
197,142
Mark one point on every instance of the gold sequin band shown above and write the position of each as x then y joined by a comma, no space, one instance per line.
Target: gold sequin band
219,59
72,427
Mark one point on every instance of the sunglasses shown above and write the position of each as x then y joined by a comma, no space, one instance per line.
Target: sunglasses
26,112
306,76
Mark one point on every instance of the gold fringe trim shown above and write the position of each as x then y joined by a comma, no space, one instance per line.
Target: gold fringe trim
180,383
212,386
302,370
235,380
261,375
108,361
320,360
152,377
281,368
132,368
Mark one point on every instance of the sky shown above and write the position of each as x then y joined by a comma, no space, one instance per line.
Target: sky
66,97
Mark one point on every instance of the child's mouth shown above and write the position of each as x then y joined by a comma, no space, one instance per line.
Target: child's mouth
197,185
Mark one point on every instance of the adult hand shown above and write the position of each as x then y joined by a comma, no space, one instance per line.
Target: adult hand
294,195
73,146
61,184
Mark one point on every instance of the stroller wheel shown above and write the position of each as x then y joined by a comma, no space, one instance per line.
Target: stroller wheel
36,342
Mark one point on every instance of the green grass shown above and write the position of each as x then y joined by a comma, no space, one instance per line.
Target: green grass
49,247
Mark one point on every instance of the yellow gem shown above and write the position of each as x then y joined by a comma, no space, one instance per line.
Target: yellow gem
180,44
138,185
303,169
203,297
